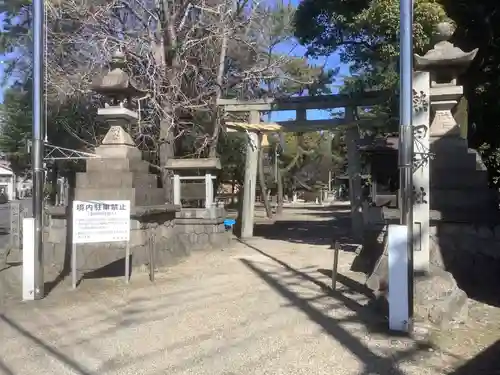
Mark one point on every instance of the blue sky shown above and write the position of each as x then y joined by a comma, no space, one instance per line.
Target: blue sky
330,62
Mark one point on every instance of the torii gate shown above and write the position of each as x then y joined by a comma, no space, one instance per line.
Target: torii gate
300,105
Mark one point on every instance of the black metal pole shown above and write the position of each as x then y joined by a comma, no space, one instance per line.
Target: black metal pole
37,150
406,135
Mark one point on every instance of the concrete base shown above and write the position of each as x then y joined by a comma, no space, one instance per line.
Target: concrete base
171,233
438,300
198,228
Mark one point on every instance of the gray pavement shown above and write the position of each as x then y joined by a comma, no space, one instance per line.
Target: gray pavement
258,308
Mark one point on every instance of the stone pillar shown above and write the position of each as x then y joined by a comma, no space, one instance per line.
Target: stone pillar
177,189
251,164
209,191
421,186
354,171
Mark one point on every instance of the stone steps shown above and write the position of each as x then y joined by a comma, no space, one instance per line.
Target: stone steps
461,198
447,178
459,190
128,165
463,160
487,216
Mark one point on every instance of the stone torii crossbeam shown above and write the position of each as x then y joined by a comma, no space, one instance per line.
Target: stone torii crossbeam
301,104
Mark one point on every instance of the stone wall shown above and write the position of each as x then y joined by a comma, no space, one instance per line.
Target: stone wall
470,252
198,228
172,233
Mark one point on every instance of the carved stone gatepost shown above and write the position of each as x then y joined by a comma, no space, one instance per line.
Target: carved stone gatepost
421,167
450,190
352,138
458,180
440,196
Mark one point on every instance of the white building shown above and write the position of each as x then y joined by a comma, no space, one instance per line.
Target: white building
7,183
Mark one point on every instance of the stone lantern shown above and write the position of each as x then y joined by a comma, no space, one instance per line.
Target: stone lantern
119,89
444,63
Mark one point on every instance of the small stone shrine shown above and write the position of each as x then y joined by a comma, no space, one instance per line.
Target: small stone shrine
194,180
200,219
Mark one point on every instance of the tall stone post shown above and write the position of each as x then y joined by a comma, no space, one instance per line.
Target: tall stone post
250,184
354,172
421,185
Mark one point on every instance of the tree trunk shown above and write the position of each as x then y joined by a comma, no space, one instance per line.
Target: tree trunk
262,181
233,189
53,184
167,151
14,184
168,58
279,181
219,80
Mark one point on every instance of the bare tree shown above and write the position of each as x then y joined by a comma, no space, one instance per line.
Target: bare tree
184,53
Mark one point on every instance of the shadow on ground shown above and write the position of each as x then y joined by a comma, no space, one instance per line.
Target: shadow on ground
281,282
49,349
114,269
299,229
485,363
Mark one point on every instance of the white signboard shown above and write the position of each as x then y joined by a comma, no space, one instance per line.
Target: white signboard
101,221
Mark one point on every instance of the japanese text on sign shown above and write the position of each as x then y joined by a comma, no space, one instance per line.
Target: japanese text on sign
101,221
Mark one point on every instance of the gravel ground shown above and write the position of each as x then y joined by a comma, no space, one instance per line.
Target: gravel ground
258,308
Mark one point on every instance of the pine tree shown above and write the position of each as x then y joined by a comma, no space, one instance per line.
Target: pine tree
16,128
15,40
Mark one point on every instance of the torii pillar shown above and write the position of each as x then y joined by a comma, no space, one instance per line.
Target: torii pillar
250,184
354,172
